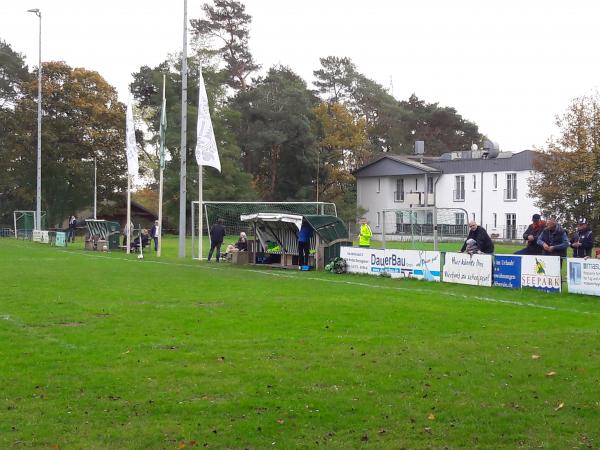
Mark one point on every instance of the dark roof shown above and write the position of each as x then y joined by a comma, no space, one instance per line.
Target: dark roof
517,162
393,165
329,228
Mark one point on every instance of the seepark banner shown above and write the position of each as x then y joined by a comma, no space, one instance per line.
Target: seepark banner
397,263
464,268
583,276
541,272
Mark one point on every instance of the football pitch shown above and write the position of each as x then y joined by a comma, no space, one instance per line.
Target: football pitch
105,351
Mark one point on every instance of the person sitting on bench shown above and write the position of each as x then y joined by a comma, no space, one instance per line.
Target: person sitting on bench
240,246
145,240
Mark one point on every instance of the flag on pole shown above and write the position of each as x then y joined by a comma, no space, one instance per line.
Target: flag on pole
163,129
131,146
206,146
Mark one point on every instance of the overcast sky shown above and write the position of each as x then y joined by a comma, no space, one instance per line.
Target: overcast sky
510,66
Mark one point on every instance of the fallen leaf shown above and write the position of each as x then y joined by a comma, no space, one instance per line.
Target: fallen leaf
364,438
181,445
382,431
427,429
560,406
55,447
221,359
551,374
535,356
431,416
280,421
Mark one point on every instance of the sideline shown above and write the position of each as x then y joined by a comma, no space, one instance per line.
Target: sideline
345,282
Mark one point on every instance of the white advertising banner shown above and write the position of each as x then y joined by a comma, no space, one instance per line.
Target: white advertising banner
468,269
413,264
363,260
541,272
583,276
40,236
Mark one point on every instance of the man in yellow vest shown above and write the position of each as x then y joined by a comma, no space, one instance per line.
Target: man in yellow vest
364,238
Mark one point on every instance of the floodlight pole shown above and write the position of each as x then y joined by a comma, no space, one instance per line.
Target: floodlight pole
38,199
183,149
95,189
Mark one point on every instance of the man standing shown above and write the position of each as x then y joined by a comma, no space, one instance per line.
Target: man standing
531,235
217,234
583,240
304,236
72,228
365,235
481,237
154,232
553,239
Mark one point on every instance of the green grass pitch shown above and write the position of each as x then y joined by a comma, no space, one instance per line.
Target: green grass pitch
104,351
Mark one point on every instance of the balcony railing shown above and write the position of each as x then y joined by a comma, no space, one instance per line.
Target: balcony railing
510,195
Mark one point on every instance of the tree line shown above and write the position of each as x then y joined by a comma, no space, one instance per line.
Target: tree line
278,138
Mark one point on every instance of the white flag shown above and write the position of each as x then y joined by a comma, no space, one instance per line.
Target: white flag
131,146
206,146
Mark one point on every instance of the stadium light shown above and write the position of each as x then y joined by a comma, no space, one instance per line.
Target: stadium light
38,200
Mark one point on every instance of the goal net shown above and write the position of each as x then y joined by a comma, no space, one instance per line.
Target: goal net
25,223
230,212
425,224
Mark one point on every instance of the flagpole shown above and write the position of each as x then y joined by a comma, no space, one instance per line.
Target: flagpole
200,213
183,146
127,227
161,164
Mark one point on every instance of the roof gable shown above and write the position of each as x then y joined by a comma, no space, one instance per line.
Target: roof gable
392,165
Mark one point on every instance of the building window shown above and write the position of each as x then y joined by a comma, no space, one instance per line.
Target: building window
429,185
459,188
510,193
474,181
378,185
429,218
416,184
495,220
378,219
495,181
473,217
459,218
511,226
399,194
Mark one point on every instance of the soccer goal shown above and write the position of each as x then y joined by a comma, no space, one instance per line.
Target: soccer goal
230,212
25,223
424,224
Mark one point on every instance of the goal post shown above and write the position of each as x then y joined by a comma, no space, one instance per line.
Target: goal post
230,212
424,224
25,222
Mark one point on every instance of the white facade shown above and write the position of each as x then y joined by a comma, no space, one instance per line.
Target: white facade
497,200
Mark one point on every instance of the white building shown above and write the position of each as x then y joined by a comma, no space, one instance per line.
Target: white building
488,187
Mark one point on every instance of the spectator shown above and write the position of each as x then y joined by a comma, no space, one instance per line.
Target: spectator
127,230
472,246
154,232
144,239
531,235
72,229
304,236
583,240
553,239
365,235
217,234
240,246
481,238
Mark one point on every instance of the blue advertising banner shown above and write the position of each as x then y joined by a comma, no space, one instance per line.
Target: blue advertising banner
507,271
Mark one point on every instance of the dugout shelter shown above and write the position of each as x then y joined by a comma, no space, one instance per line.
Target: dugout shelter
100,233
275,240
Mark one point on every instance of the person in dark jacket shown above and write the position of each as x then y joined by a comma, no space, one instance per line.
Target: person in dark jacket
583,240
304,236
217,234
531,235
72,229
481,237
553,240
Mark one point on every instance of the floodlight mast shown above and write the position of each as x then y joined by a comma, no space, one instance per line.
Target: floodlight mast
38,201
